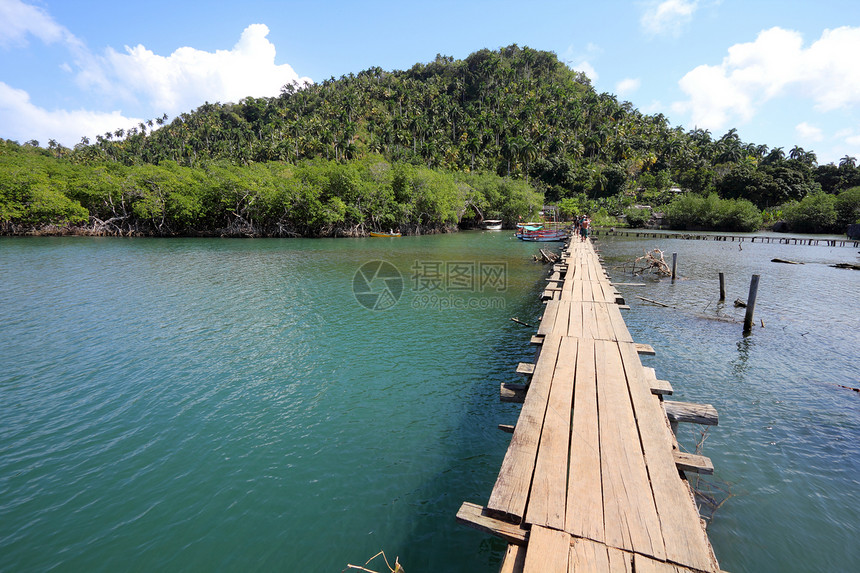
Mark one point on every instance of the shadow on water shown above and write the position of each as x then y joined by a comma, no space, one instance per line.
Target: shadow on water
439,542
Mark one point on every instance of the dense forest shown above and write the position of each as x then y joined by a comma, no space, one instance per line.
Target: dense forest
438,146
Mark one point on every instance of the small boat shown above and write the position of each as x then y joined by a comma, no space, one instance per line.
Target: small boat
375,234
542,235
492,224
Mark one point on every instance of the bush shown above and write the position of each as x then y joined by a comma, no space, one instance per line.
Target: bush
637,217
694,212
815,213
848,207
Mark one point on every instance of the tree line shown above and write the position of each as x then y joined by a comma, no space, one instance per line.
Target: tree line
515,113
312,198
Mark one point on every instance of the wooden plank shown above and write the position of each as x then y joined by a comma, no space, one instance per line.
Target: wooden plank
548,551
590,327
660,387
548,320
622,334
684,536
587,556
604,324
512,392
511,489
703,414
507,428
525,368
693,463
562,317
574,326
619,561
479,518
536,340
645,349
584,515
546,505
514,559
631,519
642,564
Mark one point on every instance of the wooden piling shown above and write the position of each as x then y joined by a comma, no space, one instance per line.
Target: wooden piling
722,287
751,304
674,264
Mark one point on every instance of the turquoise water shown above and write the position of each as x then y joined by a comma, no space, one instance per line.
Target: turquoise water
227,404
199,404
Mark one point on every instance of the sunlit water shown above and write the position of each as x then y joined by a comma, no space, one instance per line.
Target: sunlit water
196,404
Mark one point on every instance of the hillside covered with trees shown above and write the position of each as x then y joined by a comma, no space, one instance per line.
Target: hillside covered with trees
440,145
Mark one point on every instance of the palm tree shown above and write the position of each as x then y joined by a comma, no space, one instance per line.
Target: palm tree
797,153
848,162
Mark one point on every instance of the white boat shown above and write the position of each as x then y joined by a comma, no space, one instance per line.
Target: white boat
492,224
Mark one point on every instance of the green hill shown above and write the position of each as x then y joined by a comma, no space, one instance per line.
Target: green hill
422,150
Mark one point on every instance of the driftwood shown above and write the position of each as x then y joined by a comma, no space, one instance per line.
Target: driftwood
785,261
846,266
654,263
547,257
398,568
654,302
518,321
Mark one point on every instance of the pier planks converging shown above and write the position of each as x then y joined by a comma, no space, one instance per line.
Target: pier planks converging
592,479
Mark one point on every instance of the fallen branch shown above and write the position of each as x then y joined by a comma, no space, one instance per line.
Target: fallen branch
654,301
518,321
398,568
654,263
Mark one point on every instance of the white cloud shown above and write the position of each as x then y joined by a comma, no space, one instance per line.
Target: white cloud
581,62
150,82
627,86
853,140
19,20
188,77
23,121
586,68
776,64
667,17
809,132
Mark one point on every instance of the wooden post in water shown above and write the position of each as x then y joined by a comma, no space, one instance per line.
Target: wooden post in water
722,287
674,264
751,304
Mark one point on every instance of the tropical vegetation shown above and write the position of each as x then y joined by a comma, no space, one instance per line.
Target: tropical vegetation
422,150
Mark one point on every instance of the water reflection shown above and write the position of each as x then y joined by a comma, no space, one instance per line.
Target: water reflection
740,364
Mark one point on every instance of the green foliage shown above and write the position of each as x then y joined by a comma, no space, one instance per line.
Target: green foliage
694,212
637,217
313,198
848,208
29,195
813,214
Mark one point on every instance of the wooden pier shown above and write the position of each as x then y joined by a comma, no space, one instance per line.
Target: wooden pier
593,479
811,241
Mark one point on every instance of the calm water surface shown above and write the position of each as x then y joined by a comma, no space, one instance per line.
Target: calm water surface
196,404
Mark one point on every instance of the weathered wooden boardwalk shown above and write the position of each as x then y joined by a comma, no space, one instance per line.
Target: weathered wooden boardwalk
593,479
847,242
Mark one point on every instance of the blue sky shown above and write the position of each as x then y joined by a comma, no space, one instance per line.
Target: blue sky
783,73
